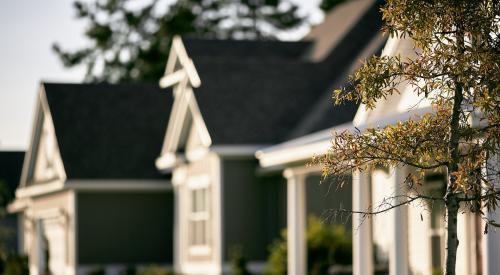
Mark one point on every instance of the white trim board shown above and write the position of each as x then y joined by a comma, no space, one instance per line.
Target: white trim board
237,150
42,124
304,148
119,185
93,185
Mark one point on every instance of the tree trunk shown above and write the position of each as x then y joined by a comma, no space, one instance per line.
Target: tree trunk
452,206
451,199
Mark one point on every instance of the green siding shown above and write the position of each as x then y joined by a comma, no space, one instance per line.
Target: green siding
254,209
125,228
326,195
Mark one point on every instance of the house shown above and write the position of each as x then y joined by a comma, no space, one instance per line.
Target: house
89,195
408,239
416,240
231,100
11,163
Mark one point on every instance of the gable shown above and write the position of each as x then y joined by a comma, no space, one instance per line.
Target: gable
186,131
43,163
179,66
405,103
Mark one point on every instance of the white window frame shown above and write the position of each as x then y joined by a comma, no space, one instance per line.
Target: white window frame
198,183
440,231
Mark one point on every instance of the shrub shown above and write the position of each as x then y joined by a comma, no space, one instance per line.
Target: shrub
97,271
238,262
327,245
16,265
155,270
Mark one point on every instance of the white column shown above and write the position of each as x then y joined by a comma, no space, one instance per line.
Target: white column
362,244
491,255
296,223
398,254
179,176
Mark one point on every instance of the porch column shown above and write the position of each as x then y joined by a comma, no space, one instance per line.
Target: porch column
398,253
362,243
296,223
491,241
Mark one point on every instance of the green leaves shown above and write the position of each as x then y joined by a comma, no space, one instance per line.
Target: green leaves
327,5
100,33
455,65
377,78
420,142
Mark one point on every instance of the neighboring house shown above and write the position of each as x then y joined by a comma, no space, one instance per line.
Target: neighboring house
412,238
234,98
407,240
11,163
89,194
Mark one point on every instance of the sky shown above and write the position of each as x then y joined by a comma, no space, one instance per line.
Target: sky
28,28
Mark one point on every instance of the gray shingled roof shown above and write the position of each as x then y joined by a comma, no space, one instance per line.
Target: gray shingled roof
249,102
363,40
109,131
247,49
266,92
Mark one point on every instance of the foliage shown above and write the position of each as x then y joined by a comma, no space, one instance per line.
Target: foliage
8,261
97,271
238,262
455,66
327,5
130,270
155,270
16,265
327,245
131,43
149,270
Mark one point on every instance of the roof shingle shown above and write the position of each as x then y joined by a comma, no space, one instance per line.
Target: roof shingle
109,131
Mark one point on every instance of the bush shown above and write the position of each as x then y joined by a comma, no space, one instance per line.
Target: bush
327,245
155,270
16,265
238,262
97,271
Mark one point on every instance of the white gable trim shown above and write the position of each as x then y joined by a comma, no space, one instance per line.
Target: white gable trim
390,49
178,55
23,194
185,111
39,189
406,99
184,105
237,150
198,121
43,117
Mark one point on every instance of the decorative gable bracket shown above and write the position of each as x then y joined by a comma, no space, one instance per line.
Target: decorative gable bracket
179,67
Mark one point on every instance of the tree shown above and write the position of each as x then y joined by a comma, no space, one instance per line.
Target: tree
456,67
327,5
130,43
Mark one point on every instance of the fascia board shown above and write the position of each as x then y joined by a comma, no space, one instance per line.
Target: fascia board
306,147
35,133
186,62
390,49
42,109
198,120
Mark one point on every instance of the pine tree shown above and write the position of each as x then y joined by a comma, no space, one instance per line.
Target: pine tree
131,43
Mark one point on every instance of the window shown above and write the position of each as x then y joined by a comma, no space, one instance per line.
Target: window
199,216
437,230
